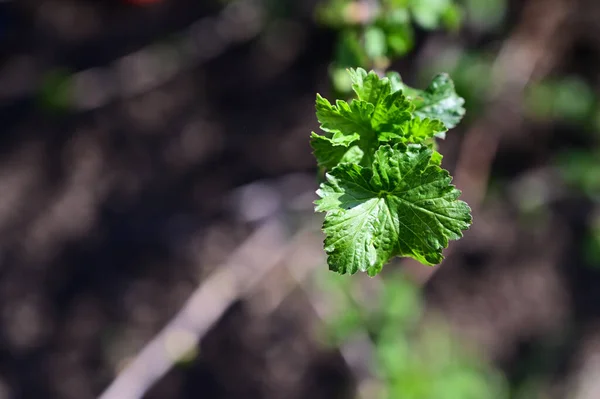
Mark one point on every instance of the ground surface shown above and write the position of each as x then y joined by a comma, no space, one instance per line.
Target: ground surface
112,213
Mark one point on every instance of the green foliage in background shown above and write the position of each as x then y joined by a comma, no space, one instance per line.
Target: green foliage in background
385,192
580,169
485,15
414,358
572,101
569,99
372,33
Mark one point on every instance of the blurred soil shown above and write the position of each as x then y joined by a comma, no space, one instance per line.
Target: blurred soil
113,209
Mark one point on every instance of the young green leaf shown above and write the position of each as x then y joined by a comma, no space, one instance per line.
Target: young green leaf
346,122
404,205
438,101
329,154
386,194
381,113
376,115
416,130
369,87
390,109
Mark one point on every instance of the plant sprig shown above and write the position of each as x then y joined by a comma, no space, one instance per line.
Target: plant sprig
385,192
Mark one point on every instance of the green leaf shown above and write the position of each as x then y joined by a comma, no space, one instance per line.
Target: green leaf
369,87
403,205
397,84
380,113
345,121
416,130
422,129
329,154
436,158
391,110
438,101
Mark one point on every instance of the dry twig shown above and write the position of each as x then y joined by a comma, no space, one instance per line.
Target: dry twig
260,253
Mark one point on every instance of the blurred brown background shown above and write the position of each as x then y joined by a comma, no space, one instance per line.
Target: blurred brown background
142,142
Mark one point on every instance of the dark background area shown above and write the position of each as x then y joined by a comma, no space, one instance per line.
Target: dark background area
126,127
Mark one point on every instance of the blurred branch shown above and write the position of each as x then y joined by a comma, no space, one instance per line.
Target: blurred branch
299,266
263,251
